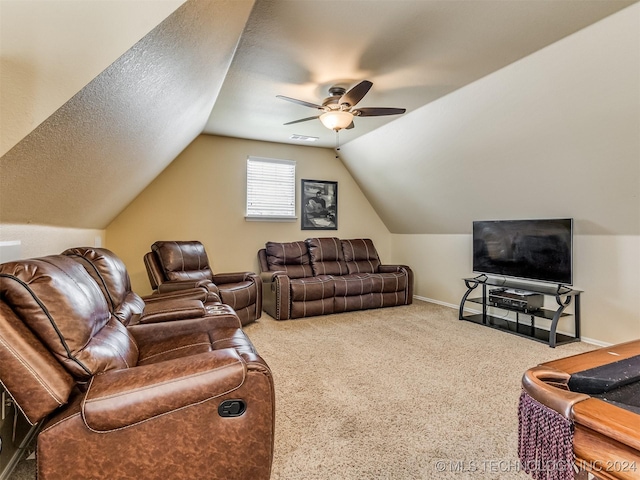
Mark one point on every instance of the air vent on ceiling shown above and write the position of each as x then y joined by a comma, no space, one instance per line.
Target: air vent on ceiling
303,138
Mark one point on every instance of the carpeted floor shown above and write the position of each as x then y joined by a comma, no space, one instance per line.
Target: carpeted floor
393,394
399,393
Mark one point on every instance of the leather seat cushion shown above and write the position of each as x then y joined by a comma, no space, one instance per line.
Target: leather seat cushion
312,288
355,284
238,295
388,282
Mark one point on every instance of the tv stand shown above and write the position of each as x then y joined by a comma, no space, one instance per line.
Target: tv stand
563,295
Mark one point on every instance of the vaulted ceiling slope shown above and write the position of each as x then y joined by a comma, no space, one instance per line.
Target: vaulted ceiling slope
556,134
84,163
215,66
49,50
414,52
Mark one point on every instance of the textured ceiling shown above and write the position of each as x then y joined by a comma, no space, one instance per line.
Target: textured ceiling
51,49
414,51
92,156
216,66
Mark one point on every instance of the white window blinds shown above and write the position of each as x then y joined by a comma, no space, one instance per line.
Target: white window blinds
271,189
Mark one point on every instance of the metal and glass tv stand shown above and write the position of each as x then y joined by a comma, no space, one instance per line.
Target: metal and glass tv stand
524,323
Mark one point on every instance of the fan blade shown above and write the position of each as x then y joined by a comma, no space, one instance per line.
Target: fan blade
351,125
378,111
302,120
354,95
300,102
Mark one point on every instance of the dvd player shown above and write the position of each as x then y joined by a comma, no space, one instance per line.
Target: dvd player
516,299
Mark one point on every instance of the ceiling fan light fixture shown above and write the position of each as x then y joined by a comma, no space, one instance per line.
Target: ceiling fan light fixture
336,119
338,107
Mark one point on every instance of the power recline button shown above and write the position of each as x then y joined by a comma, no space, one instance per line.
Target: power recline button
232,408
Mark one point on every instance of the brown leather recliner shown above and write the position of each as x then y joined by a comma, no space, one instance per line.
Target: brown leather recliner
121,403
173,265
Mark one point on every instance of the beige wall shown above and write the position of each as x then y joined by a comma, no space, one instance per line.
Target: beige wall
553,135
41,240
201,196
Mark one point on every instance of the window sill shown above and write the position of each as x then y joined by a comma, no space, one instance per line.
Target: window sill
266,218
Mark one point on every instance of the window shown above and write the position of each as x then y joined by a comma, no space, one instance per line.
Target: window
271,189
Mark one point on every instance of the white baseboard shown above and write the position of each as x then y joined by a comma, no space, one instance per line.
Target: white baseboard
437,302
591,341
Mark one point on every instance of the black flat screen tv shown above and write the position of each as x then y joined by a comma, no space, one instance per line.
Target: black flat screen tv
540,250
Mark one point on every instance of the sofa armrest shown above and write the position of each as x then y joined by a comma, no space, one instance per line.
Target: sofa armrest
173,285
276,295
172,309
198,293
122,398
408,272
233,277
156,332
268,277
392,268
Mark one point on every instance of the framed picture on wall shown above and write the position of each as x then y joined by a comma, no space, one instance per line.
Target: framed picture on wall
319,205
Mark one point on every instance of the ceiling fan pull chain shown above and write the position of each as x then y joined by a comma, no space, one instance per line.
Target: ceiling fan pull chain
337,142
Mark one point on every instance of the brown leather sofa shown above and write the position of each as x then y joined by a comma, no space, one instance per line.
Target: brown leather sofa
175,265
327,275
180,399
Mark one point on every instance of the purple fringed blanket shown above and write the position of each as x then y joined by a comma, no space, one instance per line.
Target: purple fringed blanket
545,444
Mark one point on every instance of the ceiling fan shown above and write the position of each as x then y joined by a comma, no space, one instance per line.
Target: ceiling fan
338,108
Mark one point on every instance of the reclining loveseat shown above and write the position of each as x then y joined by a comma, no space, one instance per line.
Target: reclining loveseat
119,399
320,276
189,305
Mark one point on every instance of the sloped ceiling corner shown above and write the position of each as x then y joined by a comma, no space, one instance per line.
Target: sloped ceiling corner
552,135
89,159
49,50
